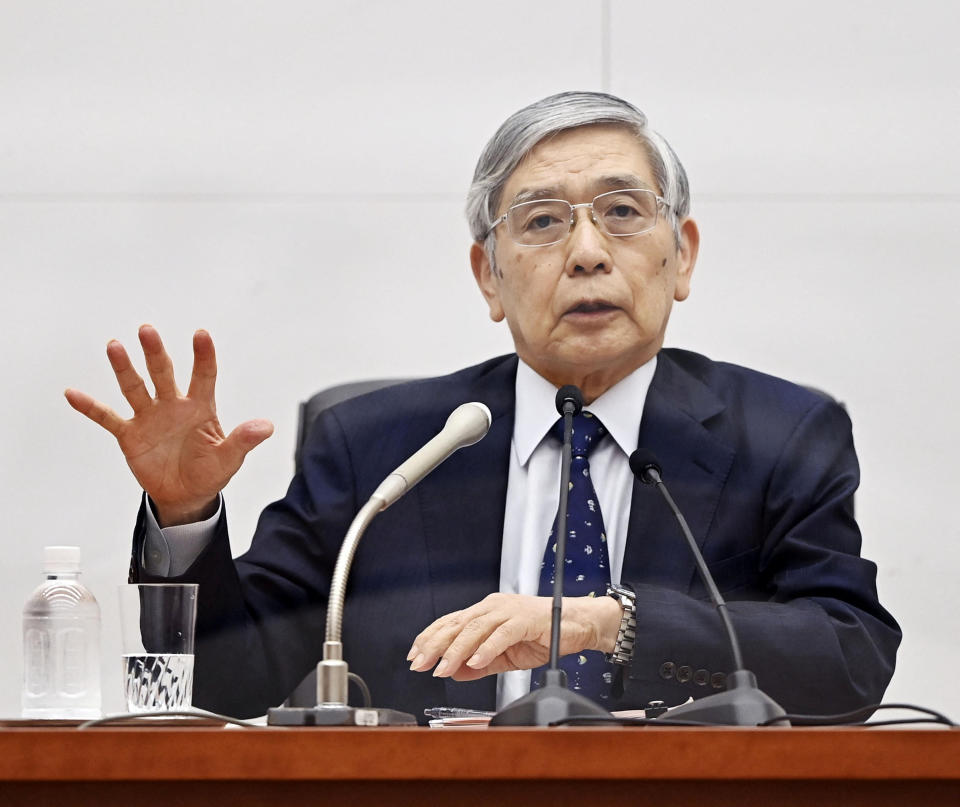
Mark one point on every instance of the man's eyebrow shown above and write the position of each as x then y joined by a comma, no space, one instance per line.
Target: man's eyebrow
529,195
624,181
607,183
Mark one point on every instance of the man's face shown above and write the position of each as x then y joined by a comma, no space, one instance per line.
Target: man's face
594,307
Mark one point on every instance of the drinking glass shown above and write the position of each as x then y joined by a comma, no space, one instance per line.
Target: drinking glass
157,623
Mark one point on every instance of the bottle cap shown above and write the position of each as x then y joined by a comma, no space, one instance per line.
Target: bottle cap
61,559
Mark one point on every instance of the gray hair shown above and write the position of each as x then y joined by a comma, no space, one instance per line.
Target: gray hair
567,110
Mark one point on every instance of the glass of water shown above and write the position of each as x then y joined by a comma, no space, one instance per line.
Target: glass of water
157,624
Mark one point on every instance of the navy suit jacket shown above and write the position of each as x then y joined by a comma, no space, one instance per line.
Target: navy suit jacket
763,470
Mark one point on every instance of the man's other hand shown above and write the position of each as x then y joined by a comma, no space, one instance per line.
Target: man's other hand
506,632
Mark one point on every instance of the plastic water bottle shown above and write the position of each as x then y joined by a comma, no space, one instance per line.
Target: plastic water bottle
61,642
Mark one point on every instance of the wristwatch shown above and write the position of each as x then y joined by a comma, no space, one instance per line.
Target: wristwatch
626,636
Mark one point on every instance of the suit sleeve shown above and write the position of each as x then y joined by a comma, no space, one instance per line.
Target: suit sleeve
261,619
807,614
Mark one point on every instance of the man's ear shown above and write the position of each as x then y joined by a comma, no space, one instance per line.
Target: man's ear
487,280
686,258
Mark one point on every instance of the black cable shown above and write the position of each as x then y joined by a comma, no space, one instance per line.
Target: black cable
854,718
364,689
844,719
128,716
857,716
132,716
588,720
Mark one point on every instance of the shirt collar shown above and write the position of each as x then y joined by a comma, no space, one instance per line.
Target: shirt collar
620,408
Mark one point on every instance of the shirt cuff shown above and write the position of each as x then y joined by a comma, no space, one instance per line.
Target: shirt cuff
170,551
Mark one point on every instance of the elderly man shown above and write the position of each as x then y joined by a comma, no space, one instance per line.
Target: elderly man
582,242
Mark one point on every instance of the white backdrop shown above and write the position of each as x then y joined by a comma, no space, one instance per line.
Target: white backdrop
290,175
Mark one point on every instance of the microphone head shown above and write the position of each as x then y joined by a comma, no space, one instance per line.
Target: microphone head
643,463
569,395
469,422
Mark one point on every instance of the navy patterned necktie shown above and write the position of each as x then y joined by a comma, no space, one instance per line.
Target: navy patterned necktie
587,567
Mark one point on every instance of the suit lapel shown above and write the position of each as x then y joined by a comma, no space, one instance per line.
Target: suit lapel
463,511
695,465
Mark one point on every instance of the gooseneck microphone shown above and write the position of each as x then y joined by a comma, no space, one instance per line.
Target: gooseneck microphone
743,704
553,702
466,425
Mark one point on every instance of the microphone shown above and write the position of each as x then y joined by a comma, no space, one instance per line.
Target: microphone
569,403
466,425
569,399
644,466
553,702
743,704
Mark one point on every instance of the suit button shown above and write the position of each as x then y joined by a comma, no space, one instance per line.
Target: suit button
700,678
684,674
667,669
718,681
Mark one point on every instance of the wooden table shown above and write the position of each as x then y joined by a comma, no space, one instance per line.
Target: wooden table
668,767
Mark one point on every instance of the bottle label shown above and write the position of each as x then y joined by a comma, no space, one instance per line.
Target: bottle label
73,661
37,657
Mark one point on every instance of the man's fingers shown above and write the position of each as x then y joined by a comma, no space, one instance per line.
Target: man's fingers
481,629
484,638
481,640
131,384
502,639
204,377
159,363
96,411
433,640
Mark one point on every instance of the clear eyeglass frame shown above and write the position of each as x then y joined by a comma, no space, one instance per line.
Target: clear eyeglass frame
514,216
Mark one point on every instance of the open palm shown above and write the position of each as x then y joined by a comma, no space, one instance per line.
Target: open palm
174,443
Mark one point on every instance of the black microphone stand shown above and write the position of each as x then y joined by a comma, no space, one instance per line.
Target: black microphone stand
553,702
743,703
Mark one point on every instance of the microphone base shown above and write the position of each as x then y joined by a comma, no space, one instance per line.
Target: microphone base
552,702
337,716
743,704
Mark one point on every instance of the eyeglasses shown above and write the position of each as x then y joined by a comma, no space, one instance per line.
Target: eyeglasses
543,222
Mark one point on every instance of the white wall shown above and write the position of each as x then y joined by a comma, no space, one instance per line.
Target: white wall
219,164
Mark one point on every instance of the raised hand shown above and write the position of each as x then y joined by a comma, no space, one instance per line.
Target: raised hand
174,443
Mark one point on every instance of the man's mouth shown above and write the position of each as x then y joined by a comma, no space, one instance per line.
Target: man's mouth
591,307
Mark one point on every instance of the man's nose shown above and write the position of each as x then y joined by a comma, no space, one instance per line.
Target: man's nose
587,245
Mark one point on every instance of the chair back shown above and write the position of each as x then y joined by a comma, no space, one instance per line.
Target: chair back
311,408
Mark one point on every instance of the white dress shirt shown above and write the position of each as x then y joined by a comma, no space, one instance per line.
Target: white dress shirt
533,486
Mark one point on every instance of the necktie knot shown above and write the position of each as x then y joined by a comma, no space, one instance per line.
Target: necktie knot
587,432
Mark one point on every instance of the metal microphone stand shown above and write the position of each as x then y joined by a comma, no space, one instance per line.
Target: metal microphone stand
467,424
332,671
